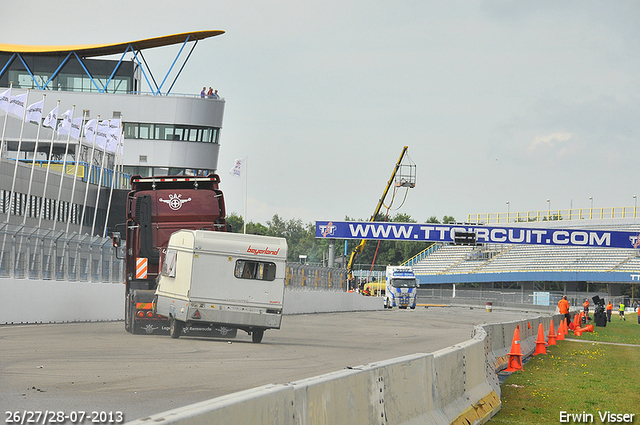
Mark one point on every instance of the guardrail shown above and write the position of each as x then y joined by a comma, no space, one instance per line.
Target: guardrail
458,384
555,215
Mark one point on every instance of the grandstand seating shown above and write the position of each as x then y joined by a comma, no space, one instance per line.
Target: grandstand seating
455,259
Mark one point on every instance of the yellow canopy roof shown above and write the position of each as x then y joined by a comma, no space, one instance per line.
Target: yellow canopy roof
89,50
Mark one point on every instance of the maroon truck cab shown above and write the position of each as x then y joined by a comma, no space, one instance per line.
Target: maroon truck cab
157,207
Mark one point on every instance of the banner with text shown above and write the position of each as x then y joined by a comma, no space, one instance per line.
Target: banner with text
484,234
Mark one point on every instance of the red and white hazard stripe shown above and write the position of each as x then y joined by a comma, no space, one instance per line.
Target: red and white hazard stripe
141,268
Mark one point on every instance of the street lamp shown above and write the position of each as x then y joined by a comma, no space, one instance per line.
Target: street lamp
591,199
508,210
635,205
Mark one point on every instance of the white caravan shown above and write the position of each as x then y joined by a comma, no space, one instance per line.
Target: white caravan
401,287
221,278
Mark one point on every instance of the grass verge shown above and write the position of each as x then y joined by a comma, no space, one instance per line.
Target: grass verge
578,377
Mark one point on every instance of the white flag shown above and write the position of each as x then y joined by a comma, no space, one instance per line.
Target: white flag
5,98
51,119
237,169
102,133
90,130
114,126
34,112
112,141
76,124
17,104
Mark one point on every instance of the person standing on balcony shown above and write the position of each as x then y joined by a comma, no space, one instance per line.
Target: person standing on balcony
203,93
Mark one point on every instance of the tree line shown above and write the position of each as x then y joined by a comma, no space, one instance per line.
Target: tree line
301,240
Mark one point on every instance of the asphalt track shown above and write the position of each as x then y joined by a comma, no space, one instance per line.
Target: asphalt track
99,367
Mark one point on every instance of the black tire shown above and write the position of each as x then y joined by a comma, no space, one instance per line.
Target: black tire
127,317
256,336
175,328
413,307
132,319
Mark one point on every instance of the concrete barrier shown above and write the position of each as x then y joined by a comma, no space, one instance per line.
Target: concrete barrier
52,301
456,385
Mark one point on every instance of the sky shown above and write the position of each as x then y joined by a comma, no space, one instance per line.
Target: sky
503,105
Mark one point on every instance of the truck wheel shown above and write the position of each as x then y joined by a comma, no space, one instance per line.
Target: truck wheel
413,307
132,319
256,336
175,328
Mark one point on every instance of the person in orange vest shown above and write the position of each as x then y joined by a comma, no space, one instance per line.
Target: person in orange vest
639,314
563,308
609,311
585,304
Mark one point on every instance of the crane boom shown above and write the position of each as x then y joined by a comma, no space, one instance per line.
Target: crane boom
358,249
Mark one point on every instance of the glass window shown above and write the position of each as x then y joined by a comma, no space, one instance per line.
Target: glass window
164,132
146,131
403,283
131,130
169,263
255,270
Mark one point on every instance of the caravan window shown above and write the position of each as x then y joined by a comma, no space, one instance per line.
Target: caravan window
169,263
257,270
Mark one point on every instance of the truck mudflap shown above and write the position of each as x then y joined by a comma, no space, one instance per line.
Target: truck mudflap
161,327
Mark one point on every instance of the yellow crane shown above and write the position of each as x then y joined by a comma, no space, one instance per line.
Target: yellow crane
407,180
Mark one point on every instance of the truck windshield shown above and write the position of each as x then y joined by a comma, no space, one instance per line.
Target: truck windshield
403,283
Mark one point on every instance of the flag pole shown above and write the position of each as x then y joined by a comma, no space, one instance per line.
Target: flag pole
104,154
246,173
75,173
64,168
86,191
4,125
15,169
113,177
54,117
33,166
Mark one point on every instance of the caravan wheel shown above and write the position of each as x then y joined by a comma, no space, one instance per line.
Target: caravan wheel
175,328
256,336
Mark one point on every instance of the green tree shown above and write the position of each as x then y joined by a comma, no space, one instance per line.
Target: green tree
448,219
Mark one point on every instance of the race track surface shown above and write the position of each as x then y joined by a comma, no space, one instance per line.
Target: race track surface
100,367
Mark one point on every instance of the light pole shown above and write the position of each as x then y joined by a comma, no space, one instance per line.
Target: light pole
591,210
548,209
635,205
508,210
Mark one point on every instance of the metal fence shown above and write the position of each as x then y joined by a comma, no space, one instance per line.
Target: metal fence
303,276
439,293
33,253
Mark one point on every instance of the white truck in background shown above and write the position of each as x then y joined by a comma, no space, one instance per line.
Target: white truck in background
225,279
401,287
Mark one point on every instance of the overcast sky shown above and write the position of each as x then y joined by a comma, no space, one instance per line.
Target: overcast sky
498,101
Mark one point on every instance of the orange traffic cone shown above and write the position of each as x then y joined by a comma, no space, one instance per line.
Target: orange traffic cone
515,355
565,328
560,334
577,321
540,344
577,332
552,335
588,328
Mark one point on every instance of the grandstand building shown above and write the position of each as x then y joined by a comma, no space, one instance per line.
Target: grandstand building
528,268
164,133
